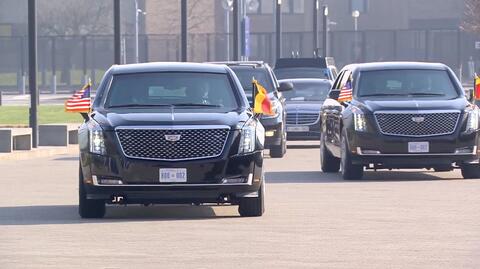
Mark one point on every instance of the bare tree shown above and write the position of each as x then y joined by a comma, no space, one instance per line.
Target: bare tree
199,13
74,17
471,21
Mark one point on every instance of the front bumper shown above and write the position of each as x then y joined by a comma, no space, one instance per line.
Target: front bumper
312,134
273,131
384,151
208,181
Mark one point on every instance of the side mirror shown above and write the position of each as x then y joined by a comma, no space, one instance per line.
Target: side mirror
334,94
285,87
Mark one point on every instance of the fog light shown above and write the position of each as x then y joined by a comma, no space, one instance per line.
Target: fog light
367,151
99,180
236,180
465,150
269,133
110,182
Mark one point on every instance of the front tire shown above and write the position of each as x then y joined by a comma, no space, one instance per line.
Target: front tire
88,208
253,207
328,162
470,171
350,171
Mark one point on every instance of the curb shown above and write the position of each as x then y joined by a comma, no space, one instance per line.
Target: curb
40,152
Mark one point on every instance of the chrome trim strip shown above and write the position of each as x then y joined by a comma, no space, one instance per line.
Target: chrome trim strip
173,185
417,112
248,183
296,119
473,153
175,127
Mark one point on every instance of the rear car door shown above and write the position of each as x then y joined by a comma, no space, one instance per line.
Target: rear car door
328,112
337,114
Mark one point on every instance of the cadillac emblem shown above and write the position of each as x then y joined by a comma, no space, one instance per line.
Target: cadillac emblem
173,138
418,119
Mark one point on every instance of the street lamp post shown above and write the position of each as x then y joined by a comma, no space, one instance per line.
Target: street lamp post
278,29
325,31
355,15
137,13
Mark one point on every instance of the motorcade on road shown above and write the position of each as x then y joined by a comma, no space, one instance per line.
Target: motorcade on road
171,133
399,115
275,125
304,103
319,67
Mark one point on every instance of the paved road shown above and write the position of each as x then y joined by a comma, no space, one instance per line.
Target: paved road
409,219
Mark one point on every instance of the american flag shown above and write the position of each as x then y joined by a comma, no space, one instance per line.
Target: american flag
80,101
346,93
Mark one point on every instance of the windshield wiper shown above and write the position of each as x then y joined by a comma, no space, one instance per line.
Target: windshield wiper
384,94
139,105
426,94
196,104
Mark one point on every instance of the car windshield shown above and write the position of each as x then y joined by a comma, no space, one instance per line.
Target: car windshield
302,72
308,91
247,74
179,89
406,83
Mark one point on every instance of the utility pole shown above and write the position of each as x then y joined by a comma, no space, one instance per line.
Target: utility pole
32,69
278,29
116,32
236,30
183,26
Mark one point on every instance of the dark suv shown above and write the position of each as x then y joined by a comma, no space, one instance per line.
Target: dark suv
275,125
401,115
320,67
171,133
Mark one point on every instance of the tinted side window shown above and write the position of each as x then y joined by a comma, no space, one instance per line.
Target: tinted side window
345,78
336,85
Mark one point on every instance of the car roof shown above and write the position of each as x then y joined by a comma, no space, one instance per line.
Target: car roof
303,80
395,65
253,64
168,67
319,62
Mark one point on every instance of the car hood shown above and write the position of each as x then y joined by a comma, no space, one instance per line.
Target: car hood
109,120
293,106
411,105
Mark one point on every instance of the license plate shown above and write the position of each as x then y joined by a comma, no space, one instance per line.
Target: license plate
297,129
418,147
173,175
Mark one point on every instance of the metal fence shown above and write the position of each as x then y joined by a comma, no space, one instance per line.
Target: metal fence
65,62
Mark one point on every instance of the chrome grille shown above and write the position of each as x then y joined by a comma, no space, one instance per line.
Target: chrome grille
296,118
417,124
148,143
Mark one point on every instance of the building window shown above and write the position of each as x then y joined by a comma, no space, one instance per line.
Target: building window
360,5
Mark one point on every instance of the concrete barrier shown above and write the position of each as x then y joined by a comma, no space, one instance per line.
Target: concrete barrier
15,139
58,134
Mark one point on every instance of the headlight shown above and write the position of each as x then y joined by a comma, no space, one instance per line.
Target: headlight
97,140
472,120
276,109
249,134
359,120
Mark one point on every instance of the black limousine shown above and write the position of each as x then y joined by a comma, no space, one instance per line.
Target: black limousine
171,133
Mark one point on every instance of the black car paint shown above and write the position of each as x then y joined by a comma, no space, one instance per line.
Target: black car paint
141,184
337,120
